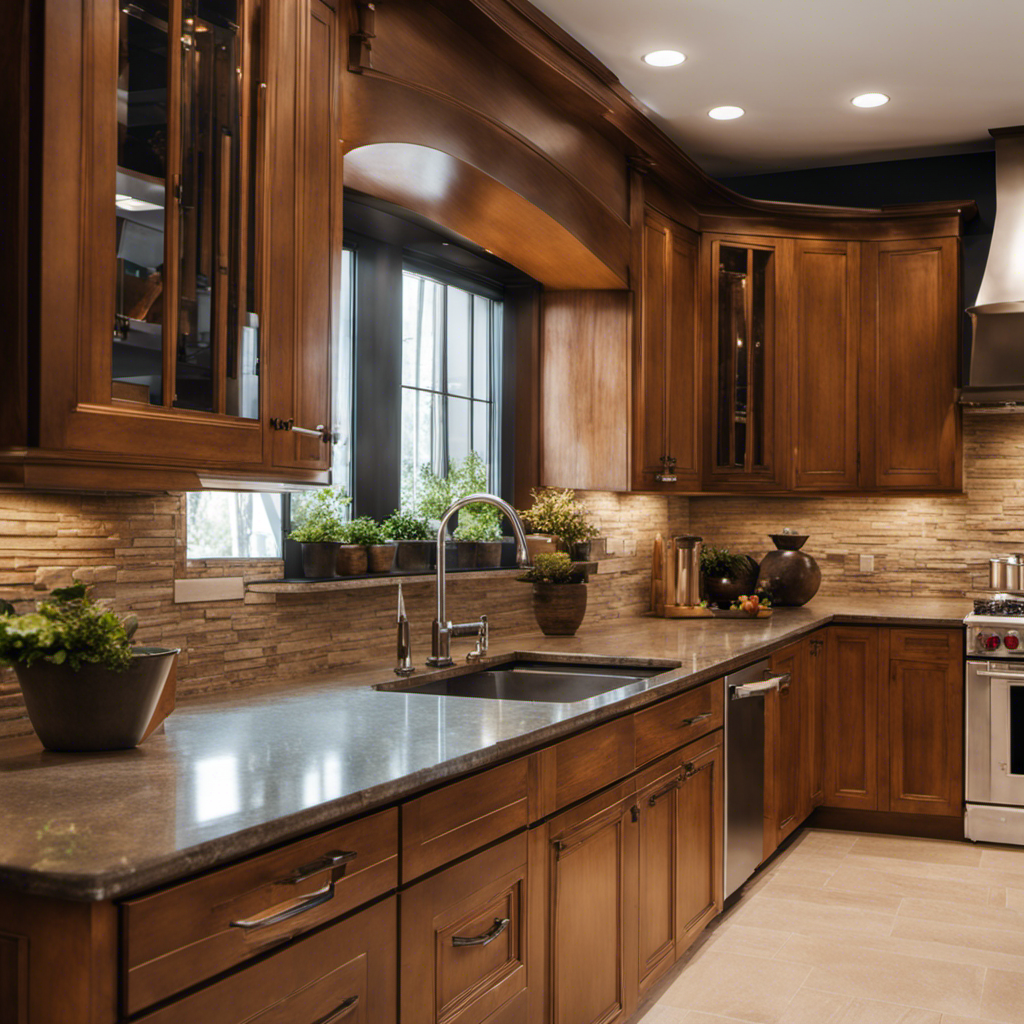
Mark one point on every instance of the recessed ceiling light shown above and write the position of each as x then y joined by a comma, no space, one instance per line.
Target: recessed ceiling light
664,58
135,205
726,113
870,99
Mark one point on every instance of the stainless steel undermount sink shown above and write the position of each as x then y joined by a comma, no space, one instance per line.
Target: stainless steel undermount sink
533,680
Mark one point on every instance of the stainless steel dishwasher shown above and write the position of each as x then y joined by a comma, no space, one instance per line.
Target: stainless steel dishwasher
744,770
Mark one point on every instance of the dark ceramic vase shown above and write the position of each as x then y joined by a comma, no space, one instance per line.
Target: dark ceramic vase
723,591
559,607
787,574
94,708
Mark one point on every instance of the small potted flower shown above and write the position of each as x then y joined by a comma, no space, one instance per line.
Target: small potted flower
478,536
86,686
319,529
415,541
556,513
356,538
726,576
559,593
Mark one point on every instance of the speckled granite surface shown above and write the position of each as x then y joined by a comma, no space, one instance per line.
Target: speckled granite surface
233,774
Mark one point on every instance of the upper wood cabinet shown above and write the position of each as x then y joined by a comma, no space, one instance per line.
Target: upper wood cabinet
666,406
911,432
186,251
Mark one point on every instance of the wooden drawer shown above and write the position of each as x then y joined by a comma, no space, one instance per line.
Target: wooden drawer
926,644
581,765
462,817
345,974
189,932
668,725
463,949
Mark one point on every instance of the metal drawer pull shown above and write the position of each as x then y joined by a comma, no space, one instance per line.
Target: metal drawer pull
697,718
674,784
341,1012
331,859
500,924
293,909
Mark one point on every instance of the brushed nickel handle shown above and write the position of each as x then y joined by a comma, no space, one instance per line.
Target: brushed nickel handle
500,924
331,859
697,718
665,790
300,906
276,423
340,1012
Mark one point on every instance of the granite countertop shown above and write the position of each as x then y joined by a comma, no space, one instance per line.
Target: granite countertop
235,773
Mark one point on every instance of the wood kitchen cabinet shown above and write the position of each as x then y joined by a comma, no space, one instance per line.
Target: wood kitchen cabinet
667,365
187,247
893,720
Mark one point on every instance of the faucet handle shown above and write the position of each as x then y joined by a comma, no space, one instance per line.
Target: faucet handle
482,640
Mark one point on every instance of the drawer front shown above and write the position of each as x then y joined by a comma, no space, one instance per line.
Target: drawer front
345,974
462,817
668,725
926,644
187,933
464,938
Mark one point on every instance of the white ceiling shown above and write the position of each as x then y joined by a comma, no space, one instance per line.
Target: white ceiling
953,68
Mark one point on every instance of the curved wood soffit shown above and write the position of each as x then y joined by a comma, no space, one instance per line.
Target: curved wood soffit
480,180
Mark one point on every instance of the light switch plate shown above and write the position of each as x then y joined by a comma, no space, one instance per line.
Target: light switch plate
867,563
211,588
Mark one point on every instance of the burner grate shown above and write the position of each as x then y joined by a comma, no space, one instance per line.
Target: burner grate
1007,606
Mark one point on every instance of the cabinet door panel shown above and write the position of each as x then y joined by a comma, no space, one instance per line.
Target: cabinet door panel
787,768
652,363
816,668
683,377
925,712
851,718
824,361
913,338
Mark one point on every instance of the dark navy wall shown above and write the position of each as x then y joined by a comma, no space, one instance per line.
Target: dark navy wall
886,183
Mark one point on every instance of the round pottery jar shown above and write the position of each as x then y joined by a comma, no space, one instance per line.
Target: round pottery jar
788,574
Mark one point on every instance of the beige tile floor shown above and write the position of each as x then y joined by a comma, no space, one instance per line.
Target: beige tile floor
856,929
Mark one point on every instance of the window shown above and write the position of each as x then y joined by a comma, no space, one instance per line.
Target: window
230,524
450,341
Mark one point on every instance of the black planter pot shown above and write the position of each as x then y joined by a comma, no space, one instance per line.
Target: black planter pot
94,708
488,554
416,555
580,551
319,561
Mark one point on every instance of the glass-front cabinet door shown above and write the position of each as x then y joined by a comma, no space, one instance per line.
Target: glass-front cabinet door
742,354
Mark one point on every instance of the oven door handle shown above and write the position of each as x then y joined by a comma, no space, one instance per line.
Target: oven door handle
999,675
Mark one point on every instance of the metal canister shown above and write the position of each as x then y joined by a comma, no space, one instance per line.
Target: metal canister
688,551
998,574
1015,571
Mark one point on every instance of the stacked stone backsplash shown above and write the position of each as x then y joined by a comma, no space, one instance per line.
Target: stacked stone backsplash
923,547
132,548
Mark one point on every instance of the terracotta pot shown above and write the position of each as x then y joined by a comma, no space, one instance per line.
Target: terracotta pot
381,557
94,708
416,555
488,554
320,561
352,560
541,544
559,607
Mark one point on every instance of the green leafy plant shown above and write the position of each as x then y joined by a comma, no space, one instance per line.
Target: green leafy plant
69,628
364,531
556,568
720,564
557,511
320,517
480,525
404,525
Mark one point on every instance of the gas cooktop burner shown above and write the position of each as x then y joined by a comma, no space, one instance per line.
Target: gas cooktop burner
1008,606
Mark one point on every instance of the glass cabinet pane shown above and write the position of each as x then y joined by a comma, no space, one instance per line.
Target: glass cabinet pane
137,363
745,313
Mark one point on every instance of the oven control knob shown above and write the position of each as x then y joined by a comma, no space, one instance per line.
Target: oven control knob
992,642
1011,641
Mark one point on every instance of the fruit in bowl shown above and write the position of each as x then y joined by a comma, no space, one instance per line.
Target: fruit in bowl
753,605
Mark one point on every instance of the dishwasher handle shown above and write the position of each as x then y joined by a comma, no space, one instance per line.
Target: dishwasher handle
759,688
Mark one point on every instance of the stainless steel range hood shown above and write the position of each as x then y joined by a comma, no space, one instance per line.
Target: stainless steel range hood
996,373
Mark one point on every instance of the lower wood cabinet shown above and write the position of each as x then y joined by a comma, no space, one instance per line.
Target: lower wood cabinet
893,720
464,939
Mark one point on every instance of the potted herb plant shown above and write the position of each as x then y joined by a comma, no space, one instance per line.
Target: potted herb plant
356,538
86,687
726,576
559,593
479,530
415,541
556,513
320,530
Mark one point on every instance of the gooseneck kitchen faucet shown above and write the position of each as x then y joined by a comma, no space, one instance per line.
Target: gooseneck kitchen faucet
443,630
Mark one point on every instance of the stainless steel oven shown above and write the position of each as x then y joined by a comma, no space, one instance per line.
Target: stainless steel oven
995,728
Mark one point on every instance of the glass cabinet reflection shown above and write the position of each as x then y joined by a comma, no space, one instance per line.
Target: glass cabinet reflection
186,327
744,319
